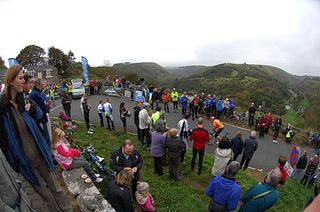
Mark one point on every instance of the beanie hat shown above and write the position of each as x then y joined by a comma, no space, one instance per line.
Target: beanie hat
142,186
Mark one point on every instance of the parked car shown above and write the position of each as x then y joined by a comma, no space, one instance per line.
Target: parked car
77,88
110,91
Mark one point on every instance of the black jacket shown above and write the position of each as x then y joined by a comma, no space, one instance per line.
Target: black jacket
119,197
250,146
236,145
66,103
118,161
174,145
136,110
302,162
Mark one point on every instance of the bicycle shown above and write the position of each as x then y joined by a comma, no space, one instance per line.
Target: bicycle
215,140
96,162
238,118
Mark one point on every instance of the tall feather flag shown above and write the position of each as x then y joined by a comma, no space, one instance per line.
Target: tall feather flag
85,68
12,62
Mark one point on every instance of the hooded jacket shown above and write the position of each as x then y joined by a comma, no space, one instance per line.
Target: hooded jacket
221,160
225,192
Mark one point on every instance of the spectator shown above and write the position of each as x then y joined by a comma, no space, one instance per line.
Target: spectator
237,145
222,156
165,101
219,108
268,123
157,147
316,148
144,198
124,113
314,177
224,190
68,158
191,105
175,99
289,134
86,111
155,116
136,111
201,103
10,198
196,106
144,122
38,97
252,111
262,125
232,107
127,158
199,136
108,112
118,191
101,112
32,158
311,168
301,164
284,173
208,105
184,103
175,146
183,130
263,195
258,115
277,126
155,98
250,146
66,104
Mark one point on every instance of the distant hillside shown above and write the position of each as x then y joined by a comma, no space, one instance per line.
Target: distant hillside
152,72
246,83
186,71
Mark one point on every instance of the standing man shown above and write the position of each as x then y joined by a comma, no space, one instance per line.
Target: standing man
175,99
301,164
101,112
258,116
136,110
66,104
250,146
184,103
144,122
108,112
126,157
183,128
199,136
155,98
37,96
277,126
86,111
252,111
237,145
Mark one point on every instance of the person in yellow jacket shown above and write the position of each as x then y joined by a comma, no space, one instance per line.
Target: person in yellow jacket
155,116
175,99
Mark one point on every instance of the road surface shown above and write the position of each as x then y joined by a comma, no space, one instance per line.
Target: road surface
265,157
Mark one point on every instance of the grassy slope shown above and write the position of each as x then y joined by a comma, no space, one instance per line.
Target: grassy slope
187,194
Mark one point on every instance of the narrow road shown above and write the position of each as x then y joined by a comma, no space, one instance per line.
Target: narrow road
265,157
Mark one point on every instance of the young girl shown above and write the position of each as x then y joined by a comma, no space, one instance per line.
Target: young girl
68,158
144,198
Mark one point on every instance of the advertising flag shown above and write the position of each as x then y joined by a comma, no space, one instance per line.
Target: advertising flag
12,61
85,68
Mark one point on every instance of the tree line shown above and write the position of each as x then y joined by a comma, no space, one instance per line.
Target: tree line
33,55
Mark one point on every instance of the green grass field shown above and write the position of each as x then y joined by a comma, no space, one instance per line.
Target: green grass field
188,194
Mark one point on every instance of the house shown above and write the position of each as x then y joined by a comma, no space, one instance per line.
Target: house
46,72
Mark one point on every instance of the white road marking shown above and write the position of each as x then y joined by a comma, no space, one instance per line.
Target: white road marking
55,108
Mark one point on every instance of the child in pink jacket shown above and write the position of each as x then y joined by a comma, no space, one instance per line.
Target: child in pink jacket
68,158
144,198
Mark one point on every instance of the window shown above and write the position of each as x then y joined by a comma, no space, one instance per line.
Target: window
48,73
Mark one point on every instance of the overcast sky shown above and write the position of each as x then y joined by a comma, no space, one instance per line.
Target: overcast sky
283,33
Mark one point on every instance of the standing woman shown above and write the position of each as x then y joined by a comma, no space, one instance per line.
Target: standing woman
23,145
66,104
86,110
123,116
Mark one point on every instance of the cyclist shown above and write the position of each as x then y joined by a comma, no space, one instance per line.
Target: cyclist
217,126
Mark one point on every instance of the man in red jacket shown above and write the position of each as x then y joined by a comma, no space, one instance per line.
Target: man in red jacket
199,136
